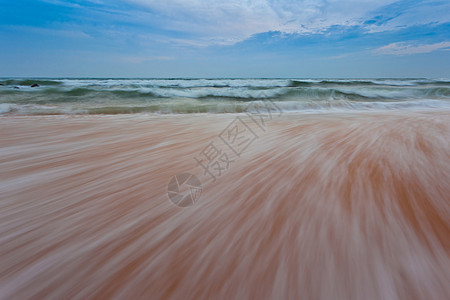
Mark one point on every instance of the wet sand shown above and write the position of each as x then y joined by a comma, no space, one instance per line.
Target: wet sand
327,206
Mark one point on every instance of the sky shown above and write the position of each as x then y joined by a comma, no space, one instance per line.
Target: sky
219,38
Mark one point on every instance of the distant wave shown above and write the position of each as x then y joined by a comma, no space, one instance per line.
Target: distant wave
29,82
362,82
61,96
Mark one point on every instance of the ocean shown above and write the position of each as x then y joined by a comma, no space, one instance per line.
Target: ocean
181,96
225,188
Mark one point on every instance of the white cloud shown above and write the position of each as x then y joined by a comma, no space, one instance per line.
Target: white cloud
403,48
233,20
412,13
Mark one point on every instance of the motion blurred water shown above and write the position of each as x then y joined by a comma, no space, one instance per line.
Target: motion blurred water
119,96
348,205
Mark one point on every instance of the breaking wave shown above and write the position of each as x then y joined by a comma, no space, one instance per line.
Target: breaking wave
63,96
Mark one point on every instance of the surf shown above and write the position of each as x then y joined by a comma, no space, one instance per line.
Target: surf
124,96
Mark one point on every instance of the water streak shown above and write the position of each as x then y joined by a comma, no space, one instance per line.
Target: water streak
329,206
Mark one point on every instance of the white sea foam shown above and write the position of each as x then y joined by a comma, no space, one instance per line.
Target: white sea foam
6,107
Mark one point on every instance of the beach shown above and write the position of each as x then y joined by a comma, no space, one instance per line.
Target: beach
318,205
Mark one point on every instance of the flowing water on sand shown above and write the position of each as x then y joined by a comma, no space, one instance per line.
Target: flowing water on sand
320,206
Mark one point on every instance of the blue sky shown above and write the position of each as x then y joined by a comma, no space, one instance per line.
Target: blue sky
218,38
